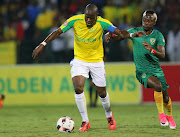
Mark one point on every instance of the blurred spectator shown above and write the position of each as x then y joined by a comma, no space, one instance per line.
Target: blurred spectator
173,43
109,11
32,11
44,20
28,22
57,46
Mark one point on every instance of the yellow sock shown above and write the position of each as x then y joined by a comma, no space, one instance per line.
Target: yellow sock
159,101
168,107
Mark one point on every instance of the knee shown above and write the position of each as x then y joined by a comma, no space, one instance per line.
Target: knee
102,93
78,89
158,87
165,99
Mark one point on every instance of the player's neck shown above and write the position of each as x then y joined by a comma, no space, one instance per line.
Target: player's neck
149,31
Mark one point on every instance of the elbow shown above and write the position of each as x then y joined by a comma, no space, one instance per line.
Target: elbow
162,56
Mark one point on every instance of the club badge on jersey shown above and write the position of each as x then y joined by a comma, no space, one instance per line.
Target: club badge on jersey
152,41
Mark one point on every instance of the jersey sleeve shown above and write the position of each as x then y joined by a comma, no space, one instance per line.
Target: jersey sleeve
131,30
160,39
106,24
69,23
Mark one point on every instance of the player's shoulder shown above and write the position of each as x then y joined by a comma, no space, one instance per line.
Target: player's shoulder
157,32
101,19
135,29
77,17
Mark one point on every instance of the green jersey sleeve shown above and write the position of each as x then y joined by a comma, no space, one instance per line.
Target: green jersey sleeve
160,39
132,30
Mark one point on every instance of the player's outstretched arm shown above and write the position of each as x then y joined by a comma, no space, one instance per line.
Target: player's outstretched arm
49,38
125,34
110,35
122,34
160,53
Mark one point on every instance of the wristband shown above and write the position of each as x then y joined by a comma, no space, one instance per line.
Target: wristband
153,51
112,34
43,43
131,35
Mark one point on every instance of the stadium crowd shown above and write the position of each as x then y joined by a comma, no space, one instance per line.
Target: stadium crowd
28,22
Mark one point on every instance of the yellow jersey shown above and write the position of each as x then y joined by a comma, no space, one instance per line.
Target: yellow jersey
88,42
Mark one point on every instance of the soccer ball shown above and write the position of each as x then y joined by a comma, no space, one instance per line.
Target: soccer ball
65,124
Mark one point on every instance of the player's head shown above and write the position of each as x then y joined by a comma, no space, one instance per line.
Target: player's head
91,12
149,19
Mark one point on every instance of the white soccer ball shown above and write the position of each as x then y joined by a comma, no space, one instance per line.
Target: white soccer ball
65,124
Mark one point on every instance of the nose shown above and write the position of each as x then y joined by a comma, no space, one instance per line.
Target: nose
88,19
145,22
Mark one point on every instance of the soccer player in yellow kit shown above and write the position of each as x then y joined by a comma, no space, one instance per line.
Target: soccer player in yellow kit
88,57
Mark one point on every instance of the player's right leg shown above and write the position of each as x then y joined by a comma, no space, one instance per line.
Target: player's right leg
79,73
154,83
159,103
80,98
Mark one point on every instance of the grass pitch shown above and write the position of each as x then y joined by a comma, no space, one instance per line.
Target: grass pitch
40,121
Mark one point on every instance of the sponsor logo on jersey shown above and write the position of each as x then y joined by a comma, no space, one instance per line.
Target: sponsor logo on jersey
86,41
152,41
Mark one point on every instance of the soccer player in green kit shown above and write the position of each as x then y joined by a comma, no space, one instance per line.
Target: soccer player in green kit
147,50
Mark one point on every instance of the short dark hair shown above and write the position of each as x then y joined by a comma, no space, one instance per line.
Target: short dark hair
91,7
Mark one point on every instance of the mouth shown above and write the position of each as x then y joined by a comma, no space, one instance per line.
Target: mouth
145,27
89,24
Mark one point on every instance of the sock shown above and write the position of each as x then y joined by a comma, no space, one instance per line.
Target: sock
106,105
81,104
168,107
159,101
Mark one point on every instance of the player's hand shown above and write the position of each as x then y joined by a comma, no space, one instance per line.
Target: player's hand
37,50
107,36
139,34
147,46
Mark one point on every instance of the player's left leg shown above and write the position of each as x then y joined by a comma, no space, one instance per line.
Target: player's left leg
99,79
104,97
168,107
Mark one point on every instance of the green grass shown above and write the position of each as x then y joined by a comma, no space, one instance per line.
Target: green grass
40,121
